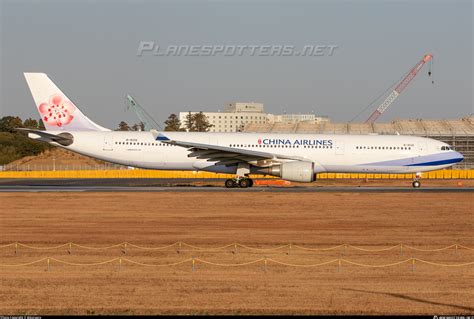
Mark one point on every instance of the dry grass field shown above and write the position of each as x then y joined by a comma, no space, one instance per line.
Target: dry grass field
369,220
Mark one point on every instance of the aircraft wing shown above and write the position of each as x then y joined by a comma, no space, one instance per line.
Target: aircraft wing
64,139
224,155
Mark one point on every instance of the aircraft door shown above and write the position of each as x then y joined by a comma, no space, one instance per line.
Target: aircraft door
422,147
108,142
339,147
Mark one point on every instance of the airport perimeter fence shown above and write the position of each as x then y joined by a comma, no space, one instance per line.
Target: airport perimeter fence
142,173
263,261
61,167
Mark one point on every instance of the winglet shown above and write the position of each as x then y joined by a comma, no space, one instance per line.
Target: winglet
159,136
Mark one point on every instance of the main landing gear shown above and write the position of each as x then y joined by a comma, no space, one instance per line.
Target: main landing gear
242,182
416,182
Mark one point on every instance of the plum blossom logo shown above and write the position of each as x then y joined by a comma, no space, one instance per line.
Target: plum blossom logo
58,111
259,141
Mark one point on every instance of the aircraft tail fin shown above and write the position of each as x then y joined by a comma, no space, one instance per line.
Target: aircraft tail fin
56,110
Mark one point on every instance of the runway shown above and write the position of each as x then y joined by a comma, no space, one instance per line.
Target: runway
189,185
23,189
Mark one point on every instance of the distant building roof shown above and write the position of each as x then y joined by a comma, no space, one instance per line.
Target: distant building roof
464,126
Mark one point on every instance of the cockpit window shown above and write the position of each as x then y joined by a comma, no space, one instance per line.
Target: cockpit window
446,148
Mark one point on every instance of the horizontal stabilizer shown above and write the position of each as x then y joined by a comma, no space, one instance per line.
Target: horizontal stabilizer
64,139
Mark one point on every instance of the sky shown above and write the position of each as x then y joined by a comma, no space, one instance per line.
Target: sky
89,49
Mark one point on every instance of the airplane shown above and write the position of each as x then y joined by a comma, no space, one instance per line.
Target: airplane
292,157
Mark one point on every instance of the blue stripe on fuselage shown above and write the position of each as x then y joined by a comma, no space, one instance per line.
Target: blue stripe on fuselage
425,160
435,163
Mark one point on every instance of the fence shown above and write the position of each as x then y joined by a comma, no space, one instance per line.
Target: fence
181,245
264,261
60,166
140,173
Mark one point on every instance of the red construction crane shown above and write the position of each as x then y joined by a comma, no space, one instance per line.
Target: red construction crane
398,89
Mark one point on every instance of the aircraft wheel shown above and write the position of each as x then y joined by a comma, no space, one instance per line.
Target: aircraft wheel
230,183
244,183
416,184
250,182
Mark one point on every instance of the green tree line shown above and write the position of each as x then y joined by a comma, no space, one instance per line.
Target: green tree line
194,122
15,145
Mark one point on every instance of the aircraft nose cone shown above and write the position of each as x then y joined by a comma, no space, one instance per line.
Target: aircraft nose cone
458,156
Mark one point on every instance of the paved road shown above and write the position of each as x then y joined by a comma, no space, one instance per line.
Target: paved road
185,185
222,189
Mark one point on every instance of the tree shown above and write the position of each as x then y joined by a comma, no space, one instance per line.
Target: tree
8,123
138,126
123,126
197,122
30,123
15,145
173,124
41,125
201,123
189,122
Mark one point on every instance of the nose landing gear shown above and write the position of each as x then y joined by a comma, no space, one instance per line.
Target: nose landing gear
416,182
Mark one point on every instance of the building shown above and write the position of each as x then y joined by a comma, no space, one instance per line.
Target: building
457,133
235,117
239,114
296,118
250,107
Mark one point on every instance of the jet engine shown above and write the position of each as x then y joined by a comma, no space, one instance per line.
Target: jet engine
296,171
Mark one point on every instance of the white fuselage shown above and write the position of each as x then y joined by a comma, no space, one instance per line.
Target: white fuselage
330,153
